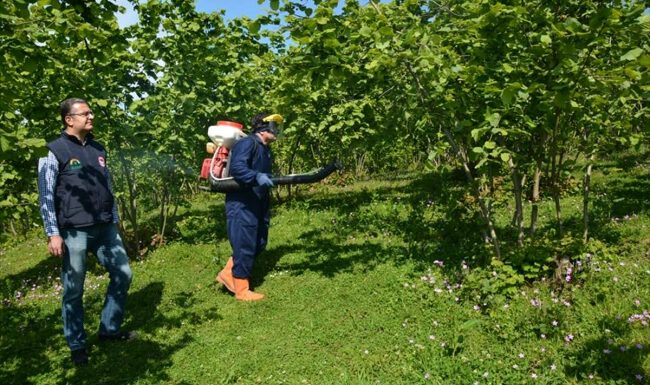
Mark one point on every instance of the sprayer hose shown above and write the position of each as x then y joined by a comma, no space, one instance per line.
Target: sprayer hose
230,184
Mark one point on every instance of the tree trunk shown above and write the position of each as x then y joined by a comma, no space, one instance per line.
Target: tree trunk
522,183
555,171
132,211
585,200
534,211
586,186
164,201
556,162
292,158
12,228
519,216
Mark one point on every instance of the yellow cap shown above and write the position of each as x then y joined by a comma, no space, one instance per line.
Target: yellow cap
274,118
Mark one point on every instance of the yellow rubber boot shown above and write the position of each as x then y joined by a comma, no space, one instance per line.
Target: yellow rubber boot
225,277
242,291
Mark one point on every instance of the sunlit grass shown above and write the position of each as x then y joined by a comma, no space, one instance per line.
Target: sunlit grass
371,283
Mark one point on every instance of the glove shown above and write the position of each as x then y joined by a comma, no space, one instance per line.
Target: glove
263,180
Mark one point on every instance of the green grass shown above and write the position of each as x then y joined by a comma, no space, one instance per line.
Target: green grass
354,297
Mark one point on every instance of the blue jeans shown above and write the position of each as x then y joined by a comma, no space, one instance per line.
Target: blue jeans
105,242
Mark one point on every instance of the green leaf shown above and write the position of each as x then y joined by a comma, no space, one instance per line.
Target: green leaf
101,102
632,54
505,156
469,324
632,73
645,61
254,26
493,119
275,4
476,133
507,95
546,39
489,145
365,31
34,142
4,144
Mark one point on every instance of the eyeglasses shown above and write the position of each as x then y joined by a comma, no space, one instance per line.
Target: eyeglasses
84,114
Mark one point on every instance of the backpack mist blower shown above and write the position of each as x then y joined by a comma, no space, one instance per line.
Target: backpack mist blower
216,170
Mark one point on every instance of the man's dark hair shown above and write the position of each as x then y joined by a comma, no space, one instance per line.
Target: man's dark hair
257,122
66,106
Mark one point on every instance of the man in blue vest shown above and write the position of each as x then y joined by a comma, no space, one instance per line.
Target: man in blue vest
248,210
80,215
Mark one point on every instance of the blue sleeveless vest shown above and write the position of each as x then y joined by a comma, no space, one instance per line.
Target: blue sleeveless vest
82,195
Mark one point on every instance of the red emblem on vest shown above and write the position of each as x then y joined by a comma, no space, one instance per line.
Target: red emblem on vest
101,161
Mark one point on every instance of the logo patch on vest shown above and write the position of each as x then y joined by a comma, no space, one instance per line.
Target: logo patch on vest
101,161
75,164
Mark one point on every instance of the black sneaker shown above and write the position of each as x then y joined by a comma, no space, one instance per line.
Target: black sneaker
79,357
119,336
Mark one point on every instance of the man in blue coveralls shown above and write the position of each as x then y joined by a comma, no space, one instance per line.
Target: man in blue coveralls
248,209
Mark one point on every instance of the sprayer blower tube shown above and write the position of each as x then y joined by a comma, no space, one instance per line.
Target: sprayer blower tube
230,184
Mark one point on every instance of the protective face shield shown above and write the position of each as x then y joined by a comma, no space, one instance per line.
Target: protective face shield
275,122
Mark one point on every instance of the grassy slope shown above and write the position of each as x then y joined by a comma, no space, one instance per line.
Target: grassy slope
353,298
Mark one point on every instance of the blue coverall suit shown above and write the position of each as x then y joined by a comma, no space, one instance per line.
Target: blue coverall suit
248,211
